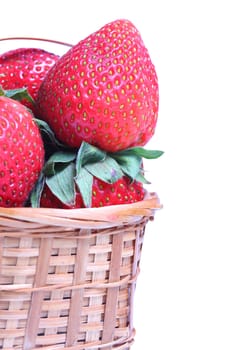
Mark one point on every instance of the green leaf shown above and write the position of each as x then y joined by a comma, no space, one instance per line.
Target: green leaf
57,161
88,154
62,184
141,178
37,191
47,131
107,170
130,164
19,94
84,181
140,152
2,92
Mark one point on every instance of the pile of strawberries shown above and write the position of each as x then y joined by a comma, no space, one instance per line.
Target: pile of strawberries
72,128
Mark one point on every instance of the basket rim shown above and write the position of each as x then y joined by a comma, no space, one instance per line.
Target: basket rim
107,216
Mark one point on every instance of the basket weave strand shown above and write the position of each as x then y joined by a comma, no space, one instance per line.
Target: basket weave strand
33,218
68,277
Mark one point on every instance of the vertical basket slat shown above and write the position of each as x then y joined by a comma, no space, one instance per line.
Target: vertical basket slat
54,309
40,279
135,271
97,301
112,293
75,313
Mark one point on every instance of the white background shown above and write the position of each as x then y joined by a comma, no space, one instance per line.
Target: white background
184,295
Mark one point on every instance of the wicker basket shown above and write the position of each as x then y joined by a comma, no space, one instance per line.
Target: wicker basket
67,277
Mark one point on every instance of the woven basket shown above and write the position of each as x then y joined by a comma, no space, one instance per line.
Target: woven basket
67,277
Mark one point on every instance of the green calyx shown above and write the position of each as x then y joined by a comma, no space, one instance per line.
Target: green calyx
67,169
17,94
52,144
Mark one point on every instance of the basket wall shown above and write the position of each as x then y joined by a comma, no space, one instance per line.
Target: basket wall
67,287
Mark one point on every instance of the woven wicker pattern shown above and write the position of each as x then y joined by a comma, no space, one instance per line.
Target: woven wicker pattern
67,277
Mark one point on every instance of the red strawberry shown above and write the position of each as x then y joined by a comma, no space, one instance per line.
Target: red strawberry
104,91
103,194
25,67
21,153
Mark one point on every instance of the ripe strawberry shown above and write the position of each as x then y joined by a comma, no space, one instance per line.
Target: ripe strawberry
25,67
104,91
103,194
21,153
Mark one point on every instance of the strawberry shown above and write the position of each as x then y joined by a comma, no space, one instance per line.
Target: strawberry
91,177
21,153
104,90
25,67
103,194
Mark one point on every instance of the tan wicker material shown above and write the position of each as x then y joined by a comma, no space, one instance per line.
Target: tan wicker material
67,277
